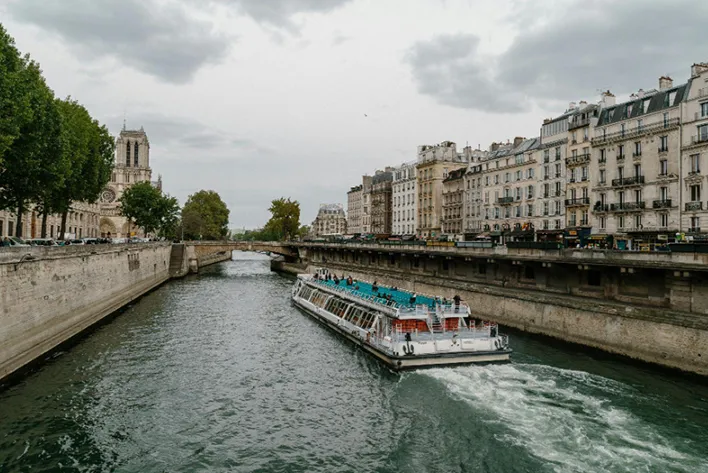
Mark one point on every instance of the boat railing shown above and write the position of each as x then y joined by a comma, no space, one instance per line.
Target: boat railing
361,295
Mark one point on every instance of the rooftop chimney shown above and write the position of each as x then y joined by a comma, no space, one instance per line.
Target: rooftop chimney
494,146
518,140
608,99
698,69
571,105
583,103
640,93
665,82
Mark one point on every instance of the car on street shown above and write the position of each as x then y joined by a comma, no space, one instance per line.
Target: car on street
42,242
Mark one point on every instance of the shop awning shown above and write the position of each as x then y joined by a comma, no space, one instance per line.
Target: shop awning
599,236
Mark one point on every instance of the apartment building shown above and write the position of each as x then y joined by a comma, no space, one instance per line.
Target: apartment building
354,209
693,212
509,180
330,221
636,151
433,166
366,204
381,208
404,198
453,204
581,123
473,208
552,152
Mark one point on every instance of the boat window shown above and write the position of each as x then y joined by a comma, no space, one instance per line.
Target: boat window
305,292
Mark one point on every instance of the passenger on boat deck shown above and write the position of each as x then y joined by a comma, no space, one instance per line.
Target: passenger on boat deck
356,287
413,297
375,287
457,300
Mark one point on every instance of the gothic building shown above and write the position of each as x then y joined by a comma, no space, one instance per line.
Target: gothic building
132,165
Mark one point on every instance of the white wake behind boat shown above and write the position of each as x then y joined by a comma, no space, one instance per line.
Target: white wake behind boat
401,329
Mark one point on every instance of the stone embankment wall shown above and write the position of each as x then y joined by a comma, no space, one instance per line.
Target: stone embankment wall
658,335
48,295
282,266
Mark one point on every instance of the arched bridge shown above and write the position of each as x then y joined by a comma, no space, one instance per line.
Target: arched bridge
204,253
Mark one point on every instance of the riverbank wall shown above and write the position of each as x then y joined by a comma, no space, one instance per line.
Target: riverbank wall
656,335
49,295
281,266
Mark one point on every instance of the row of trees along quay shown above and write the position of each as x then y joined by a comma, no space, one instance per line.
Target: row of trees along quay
283,225
52,152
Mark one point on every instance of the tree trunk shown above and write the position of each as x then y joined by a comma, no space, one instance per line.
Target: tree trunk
18,226
64,215
44,224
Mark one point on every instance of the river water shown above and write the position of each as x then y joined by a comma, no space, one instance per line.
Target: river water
219,373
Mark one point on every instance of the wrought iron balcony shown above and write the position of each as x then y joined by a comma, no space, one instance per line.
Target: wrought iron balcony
694,230
621,157
637,155
577,159
634,132
696,139
505,200
628,181
600,207
663,150
579,122
691,206
662,204
577,201
627,206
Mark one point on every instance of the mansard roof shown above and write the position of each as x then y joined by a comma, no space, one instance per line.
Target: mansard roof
658,101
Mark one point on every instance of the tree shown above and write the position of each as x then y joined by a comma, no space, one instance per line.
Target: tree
28,164
148,208
205,216
14,101
284,222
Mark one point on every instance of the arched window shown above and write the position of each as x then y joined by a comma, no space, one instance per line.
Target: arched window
127,154
135,154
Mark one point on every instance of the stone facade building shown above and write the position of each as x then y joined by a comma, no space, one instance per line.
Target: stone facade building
551,177
132,165
405,209
354,209
433,165
330,221
453,197
381,202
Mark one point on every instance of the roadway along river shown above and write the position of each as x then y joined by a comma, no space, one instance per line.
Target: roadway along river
220,373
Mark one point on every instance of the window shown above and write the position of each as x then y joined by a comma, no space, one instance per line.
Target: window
558,224
519,159
558,189
704,109
584,218
603,199
664,193
620,221
638,195
135,154
637,148
663,220
695,163
529,192
496,179
695,223
637,170
603,222
640,123
545,172
506,177
602,176
620,197
620,151
518,175
664,144
529,210
558,207
10,228
663,167
546,155
603,155
623,129
127,154
584,173
666,119
545,208
558,170
113,177
703,133
695,193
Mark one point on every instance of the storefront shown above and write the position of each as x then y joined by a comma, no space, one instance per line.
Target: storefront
549,235
651,240
576,236
600,241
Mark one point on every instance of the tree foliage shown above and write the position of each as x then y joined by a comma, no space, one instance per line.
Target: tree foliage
146,206
284,222
14,100
205,216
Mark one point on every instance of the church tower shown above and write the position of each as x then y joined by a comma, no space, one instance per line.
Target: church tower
132,165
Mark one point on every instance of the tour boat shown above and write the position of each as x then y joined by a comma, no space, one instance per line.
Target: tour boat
401,329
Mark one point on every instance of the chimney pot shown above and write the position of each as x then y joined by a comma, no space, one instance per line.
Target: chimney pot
665,82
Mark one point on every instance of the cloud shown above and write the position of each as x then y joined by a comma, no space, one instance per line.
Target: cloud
279,13
160,39
582,47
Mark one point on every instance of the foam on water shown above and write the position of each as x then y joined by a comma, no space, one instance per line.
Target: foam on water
566,418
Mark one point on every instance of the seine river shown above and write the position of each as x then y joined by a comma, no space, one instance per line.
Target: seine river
219,373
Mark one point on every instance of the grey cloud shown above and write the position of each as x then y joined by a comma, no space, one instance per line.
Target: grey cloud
582,48
279,13
157,38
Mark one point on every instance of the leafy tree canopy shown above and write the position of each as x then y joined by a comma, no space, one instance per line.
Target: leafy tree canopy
148,208
284,222
205,216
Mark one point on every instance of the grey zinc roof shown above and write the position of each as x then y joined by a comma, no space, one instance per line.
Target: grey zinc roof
658,101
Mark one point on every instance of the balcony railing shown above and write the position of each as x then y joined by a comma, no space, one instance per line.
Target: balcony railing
627,206
661,204
663,150
636,155
578,123
600,207
694,230
577,201
578,159
621,157
626,134
696,139
628,181
691,206
505,200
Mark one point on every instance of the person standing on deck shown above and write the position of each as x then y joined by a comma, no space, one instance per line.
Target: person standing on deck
457,300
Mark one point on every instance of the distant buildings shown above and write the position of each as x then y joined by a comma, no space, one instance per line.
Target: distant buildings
330,221
627,175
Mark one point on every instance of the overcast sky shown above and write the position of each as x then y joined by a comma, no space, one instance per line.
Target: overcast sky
259,99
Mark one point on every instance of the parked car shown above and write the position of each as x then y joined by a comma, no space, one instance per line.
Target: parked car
42,242
14,241
90,241
119,240
77,242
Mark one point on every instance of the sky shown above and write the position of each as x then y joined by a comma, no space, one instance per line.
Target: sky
261,99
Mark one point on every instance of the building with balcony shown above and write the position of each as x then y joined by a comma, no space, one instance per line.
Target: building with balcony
366,204
581,124
404,198
473,208
694,154
381,208
354,208
453,197
330,221
432,167
552,151
635,166
509,176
